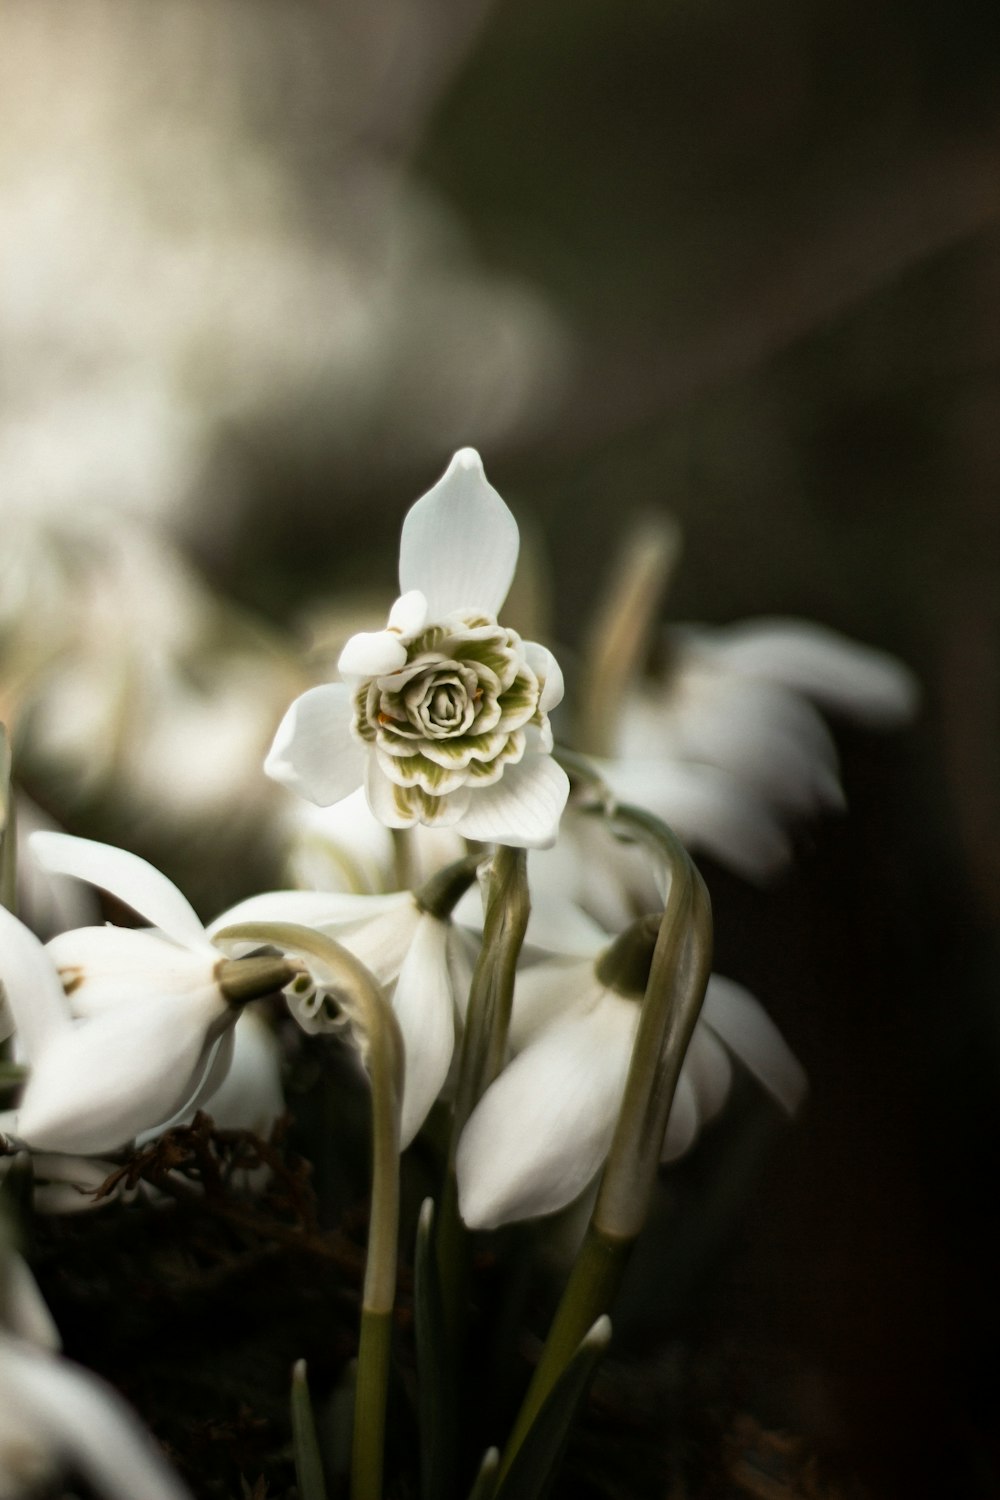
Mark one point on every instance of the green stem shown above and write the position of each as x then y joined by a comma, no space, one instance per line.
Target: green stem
332,967
674,993
367,1452
308,1464
484,1052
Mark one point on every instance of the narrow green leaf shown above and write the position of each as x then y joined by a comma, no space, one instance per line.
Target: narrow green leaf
486,1479
528,1472
437,1387
308,1463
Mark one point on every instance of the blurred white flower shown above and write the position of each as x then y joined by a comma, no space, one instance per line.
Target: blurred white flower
306,286
420,960
728,745
541,1131
444,714
56,1416
345,848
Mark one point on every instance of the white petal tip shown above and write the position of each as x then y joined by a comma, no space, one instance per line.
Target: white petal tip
466,458
372,653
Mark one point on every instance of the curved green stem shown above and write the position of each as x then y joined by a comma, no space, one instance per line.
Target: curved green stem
674,993
377,1031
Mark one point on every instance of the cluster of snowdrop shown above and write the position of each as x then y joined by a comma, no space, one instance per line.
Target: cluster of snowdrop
429,771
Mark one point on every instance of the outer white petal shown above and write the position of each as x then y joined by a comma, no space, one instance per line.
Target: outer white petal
25,1312
748,1031
684,1121
550,992
709,810
250,1096
124,875
459,543
542,1130
340,848
84,1424
424,1007
321,909
372,653
838,673
549,673
31,986
105,966
103,1080
522,809
314,752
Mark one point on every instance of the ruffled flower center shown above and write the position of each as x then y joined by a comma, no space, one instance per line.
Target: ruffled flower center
453,715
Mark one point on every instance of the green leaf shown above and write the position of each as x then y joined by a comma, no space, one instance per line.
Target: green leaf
528,1472
308,1463
437,1388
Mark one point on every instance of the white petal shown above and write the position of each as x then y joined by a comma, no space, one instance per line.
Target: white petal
321,909
838,673
105,966
31,986
382,802
748,1031
460,542
708,809
87,1425
707,1065
549,673
250,1096
123,875
408,615
100,1083
550,992
684,1121
425,1010
372,653
542,1130
314,752
522,809
25,1312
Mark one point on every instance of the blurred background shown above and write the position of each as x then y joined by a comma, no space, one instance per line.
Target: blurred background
264,266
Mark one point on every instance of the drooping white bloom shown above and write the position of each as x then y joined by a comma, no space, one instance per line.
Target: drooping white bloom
729,745
542,1130
420,960
444,714
124,1030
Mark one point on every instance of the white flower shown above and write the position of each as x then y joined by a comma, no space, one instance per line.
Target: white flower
444,714
420,960
542,1130
729,746
345,848
56,1416
124,1030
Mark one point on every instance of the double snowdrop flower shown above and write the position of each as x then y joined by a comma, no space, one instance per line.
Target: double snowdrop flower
541,1131
443,716
421,960
124,1031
